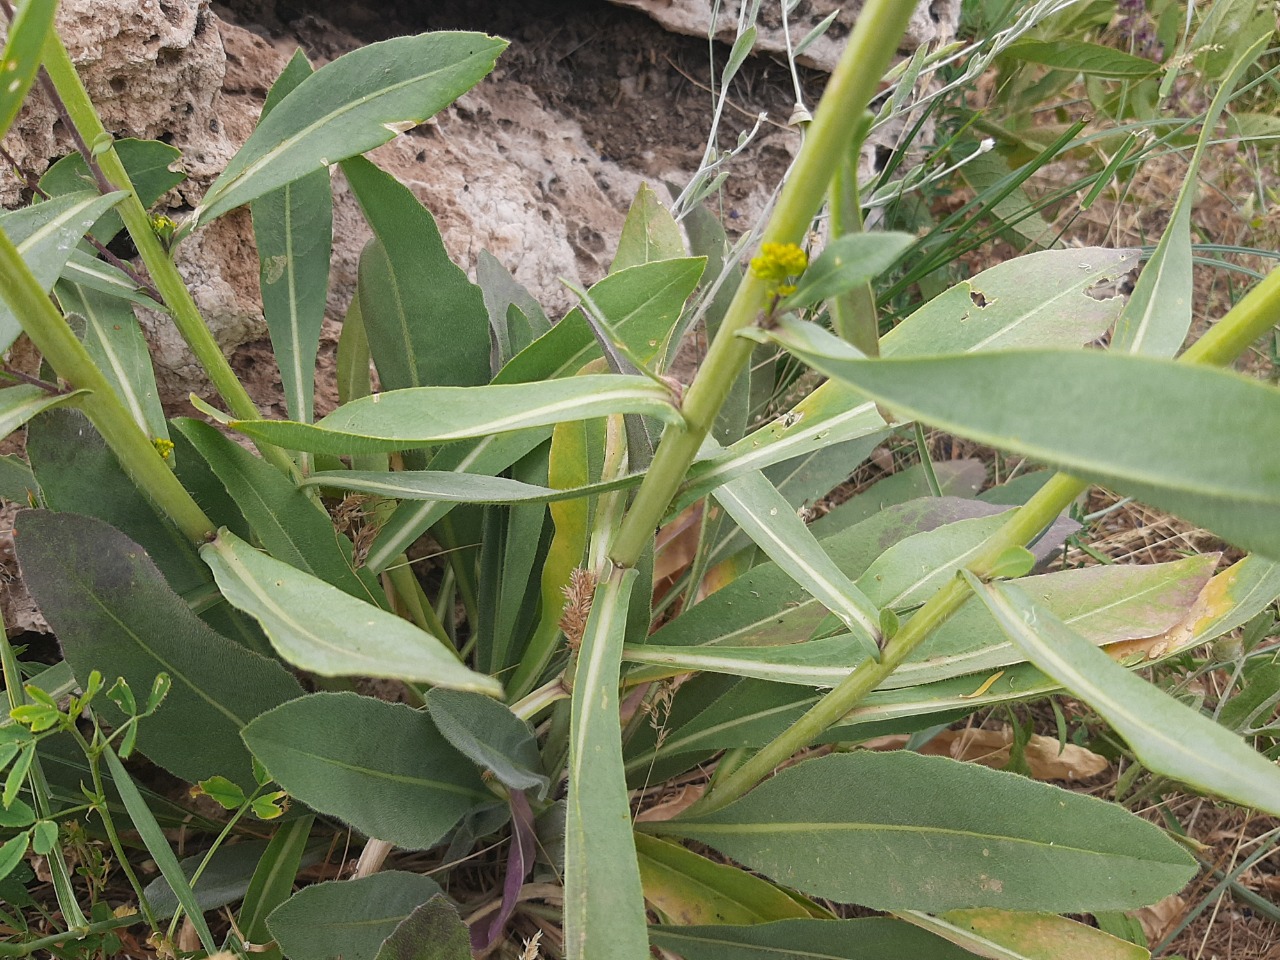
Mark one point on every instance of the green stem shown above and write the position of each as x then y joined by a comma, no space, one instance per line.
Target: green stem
164,273
1248,320
133,448
1025,524
54,939
827,143
103,809
63,891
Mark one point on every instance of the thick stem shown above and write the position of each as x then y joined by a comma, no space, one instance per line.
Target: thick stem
1248,320
827,143
54,339
164,273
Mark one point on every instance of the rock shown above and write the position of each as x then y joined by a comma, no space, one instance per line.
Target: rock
934,21
497,169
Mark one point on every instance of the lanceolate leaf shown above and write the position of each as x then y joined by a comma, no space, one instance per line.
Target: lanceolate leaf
351,105
757,507
1158,315
318,627
1038,300
649,233
1169,737
1211,470
457,487
293,229
27,29
641,303
845,263
21,402
116,344
687,888
384,768
424,416
291,527
873,938
904,831
1009,935
348,918
46,234
488,456
1078,56
603,902
114,613
426,322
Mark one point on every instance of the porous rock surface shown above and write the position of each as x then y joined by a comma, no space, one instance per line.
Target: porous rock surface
499,170
934,21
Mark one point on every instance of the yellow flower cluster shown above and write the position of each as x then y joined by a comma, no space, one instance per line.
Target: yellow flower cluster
163,447
778,263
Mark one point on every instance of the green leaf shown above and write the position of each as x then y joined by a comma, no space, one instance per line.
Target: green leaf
118,348
348,918
1038,300
17,814
757,507
830,415
1167,736
904,831
17,482
114,613
46,234
19,63
1158,315
349,106
154,168
449,485
688,889
434,931
1009,935
273,878
157,845
424,416
845,263
1220,416
224,879
293,230
381,767
641,304
223,792
287,522
874,938
649,233
488,456
320,628
1079,56
21,402
12,851
603,899
44,837
515,317
426,322
491,736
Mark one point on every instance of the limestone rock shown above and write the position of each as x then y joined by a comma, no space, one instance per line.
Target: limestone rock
933,21
497,169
